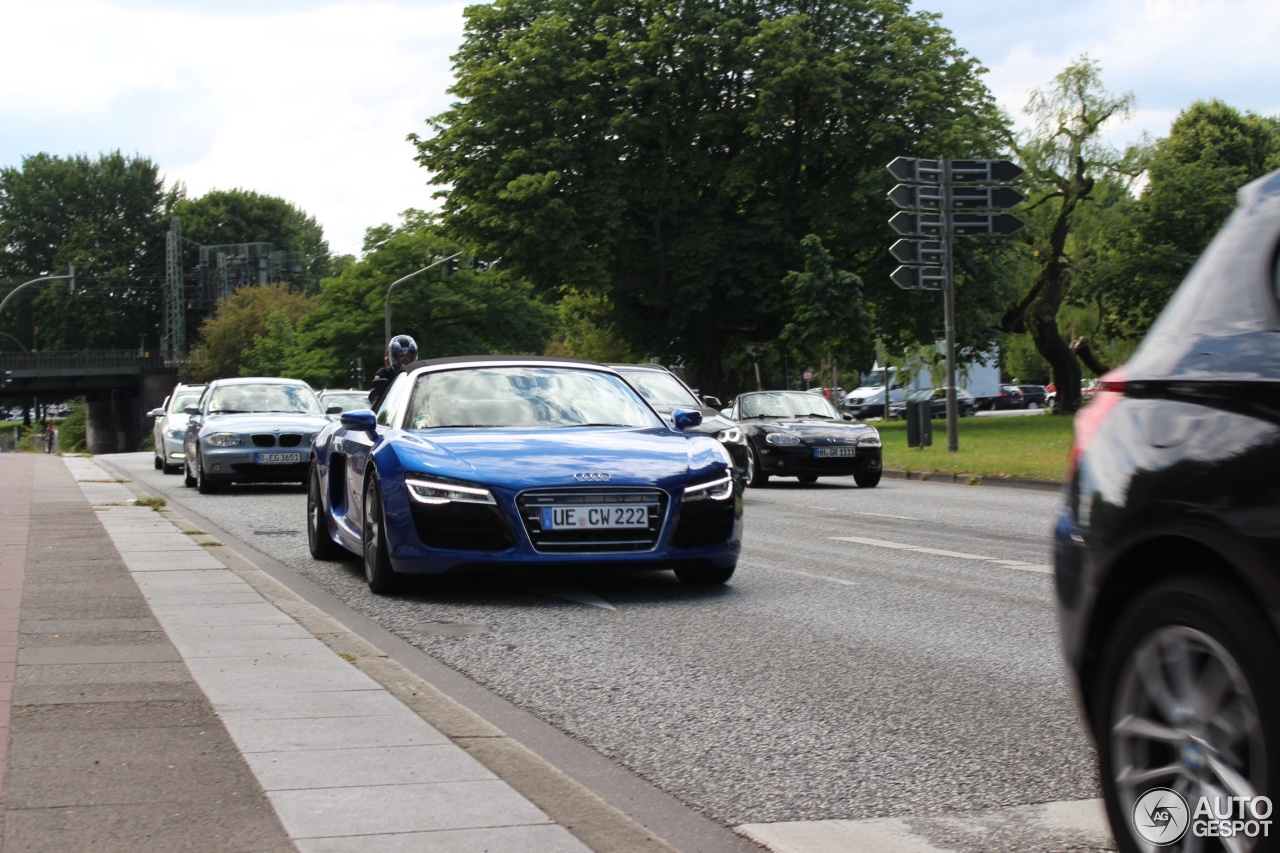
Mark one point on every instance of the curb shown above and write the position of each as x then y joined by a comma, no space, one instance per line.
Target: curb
975,480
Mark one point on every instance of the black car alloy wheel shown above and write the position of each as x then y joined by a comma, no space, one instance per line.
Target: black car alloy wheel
377,562
1186,699
318,542
755,474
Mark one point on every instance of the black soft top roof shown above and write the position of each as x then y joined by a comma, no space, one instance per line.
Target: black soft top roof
461,360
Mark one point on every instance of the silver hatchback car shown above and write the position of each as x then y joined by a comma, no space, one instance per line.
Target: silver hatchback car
170,427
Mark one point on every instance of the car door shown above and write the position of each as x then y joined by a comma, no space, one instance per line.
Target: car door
357,447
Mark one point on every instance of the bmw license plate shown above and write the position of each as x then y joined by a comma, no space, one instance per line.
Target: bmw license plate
821,452
594,517
277,458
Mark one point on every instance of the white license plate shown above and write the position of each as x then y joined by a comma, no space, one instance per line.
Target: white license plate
834,451
594,517
277,458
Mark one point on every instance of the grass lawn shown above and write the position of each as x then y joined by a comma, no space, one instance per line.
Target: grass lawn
1032,447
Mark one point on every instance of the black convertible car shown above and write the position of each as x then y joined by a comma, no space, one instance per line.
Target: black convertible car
799,434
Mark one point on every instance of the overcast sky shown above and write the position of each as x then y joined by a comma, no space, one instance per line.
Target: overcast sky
311,101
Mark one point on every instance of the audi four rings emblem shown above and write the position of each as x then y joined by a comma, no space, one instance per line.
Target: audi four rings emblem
592,477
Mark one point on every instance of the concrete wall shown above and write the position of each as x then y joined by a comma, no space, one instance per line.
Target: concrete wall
116,421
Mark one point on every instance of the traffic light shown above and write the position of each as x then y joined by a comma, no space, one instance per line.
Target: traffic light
8,378
451,266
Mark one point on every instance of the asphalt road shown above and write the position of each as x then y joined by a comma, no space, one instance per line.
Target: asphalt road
880,652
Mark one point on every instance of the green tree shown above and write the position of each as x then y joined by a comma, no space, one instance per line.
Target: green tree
828,322
1211,151
271,350
243,325
670,156
587,329
104,216
1064,159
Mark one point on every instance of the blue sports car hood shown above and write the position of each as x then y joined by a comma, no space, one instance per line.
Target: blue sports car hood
522,459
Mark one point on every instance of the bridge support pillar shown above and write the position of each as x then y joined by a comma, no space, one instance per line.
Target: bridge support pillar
109,423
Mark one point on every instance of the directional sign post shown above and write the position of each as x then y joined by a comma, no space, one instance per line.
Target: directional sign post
941,200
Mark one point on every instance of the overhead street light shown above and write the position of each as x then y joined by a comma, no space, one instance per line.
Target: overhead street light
70,278
387,336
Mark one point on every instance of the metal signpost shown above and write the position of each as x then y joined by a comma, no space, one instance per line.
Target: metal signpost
941,200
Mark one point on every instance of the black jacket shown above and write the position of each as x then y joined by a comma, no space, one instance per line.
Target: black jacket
382,381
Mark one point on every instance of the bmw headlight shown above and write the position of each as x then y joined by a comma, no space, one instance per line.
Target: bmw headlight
224,439
782,439
433,490
719,489
732,435
870,438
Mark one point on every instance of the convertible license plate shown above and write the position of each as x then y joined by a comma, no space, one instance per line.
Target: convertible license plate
277,458
834,451
594,517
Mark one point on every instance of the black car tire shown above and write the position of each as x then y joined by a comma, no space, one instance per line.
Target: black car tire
867,479
1227,686
319,543
188,479
203,484
755,474
159,464
703,575
377,562
808,478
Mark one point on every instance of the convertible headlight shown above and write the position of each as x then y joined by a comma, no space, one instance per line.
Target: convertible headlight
732,435
224,439
177,433
429,490
720,489
869,439
783,439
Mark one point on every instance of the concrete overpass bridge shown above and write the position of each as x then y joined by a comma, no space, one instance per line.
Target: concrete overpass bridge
119,387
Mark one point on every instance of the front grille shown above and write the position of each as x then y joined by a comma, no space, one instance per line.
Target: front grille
704,523
264,439
288,439
462,527
592,541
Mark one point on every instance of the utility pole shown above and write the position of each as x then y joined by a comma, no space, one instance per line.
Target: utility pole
175,303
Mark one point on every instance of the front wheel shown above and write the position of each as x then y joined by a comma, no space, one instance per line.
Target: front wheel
159,463
377,561
808,478
188,479
755,474
703,575
319,543
867,479
203,484
1186,700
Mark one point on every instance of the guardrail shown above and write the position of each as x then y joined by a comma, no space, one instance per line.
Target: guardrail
97,359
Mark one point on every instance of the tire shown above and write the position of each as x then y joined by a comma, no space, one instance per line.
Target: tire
188,479
755,474
203,484
703,575
1186,683
1033,405
159,464
808,478
867,479
319,542
377,562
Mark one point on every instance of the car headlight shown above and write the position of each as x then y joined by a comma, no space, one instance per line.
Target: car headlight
177,433
732,435
783,439
869,439
224,439
719,489
431,490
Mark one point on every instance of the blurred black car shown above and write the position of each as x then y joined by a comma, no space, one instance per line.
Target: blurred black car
667,392
966,405
1033,396
1009,397
1167,550
798,434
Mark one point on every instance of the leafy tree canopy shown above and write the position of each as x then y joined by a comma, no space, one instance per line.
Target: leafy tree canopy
671,155
104,217
238,335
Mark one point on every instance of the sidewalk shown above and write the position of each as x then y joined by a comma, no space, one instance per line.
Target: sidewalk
153,700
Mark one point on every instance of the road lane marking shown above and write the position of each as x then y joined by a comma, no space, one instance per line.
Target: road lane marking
938,552
840,581
872,514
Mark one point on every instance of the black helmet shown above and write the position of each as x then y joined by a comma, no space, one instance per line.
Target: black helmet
401,349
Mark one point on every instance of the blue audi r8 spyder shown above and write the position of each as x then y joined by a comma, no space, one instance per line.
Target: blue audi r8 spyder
485,463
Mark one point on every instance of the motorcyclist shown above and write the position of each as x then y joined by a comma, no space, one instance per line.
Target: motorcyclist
402,350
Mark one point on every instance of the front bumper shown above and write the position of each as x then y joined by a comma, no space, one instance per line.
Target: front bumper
246,465
783,461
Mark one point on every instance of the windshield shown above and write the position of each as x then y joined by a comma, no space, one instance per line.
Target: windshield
661,389
786,404
526,397
185,397
264,397
875,377
348,400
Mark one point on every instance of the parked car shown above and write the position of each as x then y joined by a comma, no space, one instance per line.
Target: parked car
666,392
1166,558
251,429
521,462
1009,397
1033,396
966,406
343,399
801,435
170,427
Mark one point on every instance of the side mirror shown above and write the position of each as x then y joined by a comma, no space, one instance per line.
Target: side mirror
333,410
848,417
192,410
712,402
156,413
360,420
686,418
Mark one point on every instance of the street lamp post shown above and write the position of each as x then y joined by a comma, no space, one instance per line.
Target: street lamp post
69,277
387,330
